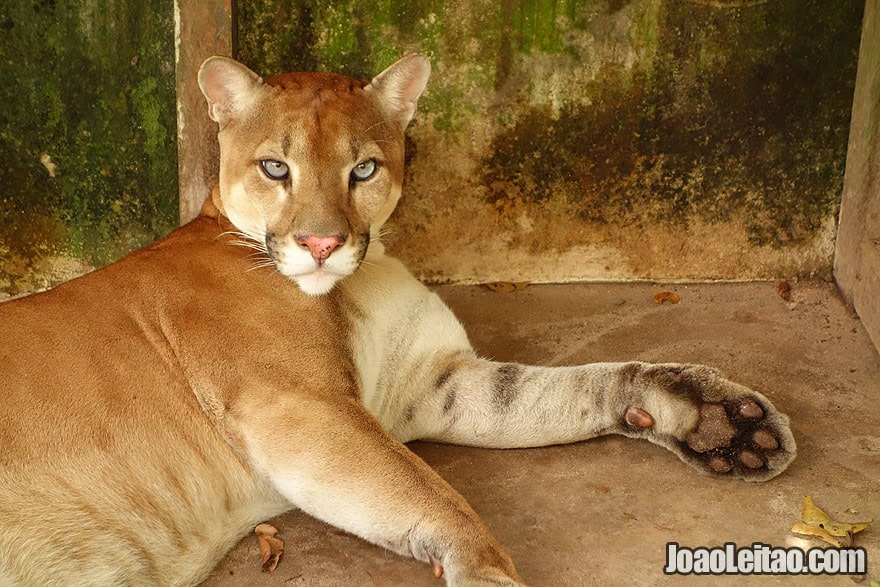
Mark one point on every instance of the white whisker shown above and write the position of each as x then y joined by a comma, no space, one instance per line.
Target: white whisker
259,266
384,231
244,235
247,245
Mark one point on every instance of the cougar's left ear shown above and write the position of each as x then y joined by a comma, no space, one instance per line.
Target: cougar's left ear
399,87
230,88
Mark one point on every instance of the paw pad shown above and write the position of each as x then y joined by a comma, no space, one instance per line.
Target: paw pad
733,435
751,460
720,464
750,409
713,431
765,440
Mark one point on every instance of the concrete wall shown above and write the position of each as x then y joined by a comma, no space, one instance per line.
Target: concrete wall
559,140
602,139
857,262
88,167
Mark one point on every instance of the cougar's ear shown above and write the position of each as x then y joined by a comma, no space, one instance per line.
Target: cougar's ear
399,87
229,87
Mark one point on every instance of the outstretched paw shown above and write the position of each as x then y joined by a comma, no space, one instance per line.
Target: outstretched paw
737,431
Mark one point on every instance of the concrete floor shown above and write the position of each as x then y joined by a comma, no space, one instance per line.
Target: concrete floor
601,512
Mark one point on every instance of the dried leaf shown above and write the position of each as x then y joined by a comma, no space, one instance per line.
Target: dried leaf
783,288
271,546
506,286
816,517
817,523
666,296
821,533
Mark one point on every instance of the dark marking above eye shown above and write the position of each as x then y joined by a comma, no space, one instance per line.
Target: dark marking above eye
285,145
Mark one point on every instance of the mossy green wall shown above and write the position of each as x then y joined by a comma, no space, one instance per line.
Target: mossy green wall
87,134
601,139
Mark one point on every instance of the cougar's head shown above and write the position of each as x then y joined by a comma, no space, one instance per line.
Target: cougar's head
311,164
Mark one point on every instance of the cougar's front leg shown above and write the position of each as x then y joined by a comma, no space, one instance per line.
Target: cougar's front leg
715,425
332,459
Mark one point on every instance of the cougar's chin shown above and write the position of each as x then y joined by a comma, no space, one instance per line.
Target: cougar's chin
318,282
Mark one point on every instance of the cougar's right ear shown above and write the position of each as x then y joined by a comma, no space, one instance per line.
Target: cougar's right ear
229,87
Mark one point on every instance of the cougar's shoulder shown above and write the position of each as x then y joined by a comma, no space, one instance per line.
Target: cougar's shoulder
113,428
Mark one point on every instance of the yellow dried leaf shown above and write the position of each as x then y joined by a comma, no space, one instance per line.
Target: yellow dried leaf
816,522
818,532
816,517
666,296
271,546
506,286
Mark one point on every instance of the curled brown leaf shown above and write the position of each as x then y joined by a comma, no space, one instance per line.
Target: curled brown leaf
271,547
666,296
783,288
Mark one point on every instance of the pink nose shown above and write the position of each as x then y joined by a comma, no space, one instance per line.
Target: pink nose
320,246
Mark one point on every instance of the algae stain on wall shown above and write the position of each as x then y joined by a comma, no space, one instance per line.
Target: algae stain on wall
604,139
87,135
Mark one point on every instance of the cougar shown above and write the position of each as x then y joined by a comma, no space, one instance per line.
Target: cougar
157,409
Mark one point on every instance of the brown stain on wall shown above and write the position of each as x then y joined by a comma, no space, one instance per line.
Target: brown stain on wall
710,130
602,140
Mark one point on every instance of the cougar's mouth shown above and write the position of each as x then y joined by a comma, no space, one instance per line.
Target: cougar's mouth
317,275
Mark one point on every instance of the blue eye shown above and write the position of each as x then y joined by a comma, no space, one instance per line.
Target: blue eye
274,169
363,170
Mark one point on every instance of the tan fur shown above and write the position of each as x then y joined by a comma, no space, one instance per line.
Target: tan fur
155,410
